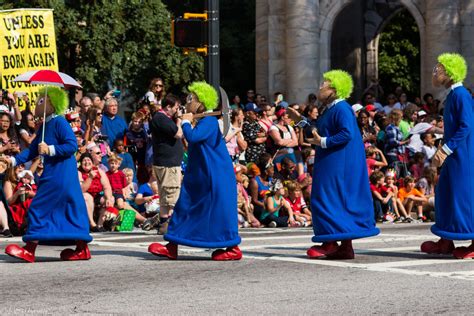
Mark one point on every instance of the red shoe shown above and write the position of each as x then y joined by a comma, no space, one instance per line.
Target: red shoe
344,252
440,247
27,253
325,249
231,253
81,253
170,250
464,252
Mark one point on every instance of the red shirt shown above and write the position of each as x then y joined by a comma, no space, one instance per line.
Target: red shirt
117,180
371,165
383,190
297,205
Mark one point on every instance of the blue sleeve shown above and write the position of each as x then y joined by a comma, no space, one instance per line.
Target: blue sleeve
202,131
31,152
463,107
145,190
67,143
344,122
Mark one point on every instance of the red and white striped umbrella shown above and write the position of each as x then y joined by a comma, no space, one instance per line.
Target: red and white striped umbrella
48,77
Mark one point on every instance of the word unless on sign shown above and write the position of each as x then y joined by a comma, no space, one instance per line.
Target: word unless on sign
27,42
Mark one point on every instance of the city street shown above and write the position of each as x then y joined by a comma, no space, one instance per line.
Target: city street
389,276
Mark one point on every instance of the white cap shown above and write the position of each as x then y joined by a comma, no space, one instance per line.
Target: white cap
421,113
357,107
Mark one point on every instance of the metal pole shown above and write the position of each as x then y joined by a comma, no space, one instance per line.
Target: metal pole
212,59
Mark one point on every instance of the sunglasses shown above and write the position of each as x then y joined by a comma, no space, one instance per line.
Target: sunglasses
159,85
99,114
98,153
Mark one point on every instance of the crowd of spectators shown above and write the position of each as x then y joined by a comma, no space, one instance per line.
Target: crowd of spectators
138,165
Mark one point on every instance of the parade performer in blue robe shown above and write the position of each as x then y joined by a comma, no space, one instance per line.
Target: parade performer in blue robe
454,203
205,214
58,210
341,201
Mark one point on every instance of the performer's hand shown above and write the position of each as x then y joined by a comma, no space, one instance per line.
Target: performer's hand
43,148
316,140
188,117
438,158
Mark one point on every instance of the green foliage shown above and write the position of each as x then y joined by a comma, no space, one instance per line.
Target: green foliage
399,54
455,66
118,43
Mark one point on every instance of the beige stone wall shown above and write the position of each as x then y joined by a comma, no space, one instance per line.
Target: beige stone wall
293,41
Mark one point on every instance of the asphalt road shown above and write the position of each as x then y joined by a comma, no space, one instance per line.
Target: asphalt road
388,276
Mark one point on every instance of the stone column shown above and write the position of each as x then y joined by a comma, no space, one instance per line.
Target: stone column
467,39
302,49
442,34
270,47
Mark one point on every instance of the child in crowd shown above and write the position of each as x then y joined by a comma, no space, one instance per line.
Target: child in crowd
24,191
117,180
416,169
382,197
397,205
410,196
130,191
373,164
137,138
429,147
127,160
426,185
295,198
274,203
244,207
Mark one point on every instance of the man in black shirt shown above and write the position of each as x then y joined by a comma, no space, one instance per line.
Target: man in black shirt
167,156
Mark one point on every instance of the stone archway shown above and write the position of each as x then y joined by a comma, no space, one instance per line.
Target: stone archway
294,39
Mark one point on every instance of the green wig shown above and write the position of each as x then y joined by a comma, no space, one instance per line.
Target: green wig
58,97
455,66
341,81
206,94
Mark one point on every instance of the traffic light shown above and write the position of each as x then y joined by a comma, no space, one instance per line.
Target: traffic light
190,32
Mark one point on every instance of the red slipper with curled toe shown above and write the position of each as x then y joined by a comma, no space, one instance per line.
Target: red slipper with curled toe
344,252
81,253
464,252
440,247
325,249
169,251
231,253
26,253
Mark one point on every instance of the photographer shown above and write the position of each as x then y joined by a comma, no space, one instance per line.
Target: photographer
8,142
9,104
167,156
137,138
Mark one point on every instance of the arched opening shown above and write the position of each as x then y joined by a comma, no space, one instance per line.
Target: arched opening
399,54
348,44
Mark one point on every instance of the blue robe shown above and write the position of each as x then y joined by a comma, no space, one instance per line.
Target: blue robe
58,211
341,201
454,203
205,214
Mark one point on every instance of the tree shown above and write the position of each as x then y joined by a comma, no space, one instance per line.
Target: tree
399,54
118,43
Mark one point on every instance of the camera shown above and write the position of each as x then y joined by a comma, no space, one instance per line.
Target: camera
102,138
132,149
4,94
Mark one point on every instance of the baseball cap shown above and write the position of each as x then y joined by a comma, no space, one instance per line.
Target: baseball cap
421,113
370,108
252,107
357,107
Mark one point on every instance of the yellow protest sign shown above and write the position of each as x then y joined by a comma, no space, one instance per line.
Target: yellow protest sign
27,42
